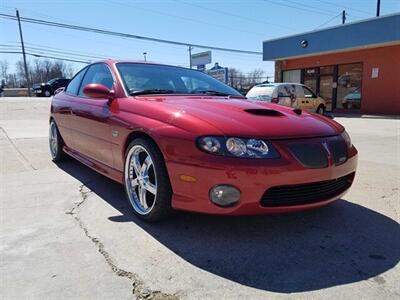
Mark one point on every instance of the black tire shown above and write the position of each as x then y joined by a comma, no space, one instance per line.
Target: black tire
162,201
320,110
47,93
56,152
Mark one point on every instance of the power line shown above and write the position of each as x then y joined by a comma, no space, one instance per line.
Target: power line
46,56
120,34
347,7
330,20
233,15
56,51
75,54
186,18
309,10
311,6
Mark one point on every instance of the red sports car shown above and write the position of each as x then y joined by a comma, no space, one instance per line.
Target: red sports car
179,139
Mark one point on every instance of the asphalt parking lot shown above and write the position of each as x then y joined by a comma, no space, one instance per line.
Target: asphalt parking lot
68,233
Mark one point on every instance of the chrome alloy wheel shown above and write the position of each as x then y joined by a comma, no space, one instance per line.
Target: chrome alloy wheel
53,141
140,180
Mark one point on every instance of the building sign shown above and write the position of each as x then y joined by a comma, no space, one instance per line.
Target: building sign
375,73
201,58
220,74
312,71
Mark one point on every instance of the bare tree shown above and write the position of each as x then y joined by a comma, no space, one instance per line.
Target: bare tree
47,68
37,75
4,69
236,78
255,77
21,78
243,82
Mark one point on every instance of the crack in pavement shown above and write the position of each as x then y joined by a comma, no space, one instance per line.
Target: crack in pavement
27,164
139,289
387,199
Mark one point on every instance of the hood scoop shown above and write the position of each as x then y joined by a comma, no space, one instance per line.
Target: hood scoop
297,111
264,112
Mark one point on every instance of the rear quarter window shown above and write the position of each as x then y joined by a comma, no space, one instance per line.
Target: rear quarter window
261,91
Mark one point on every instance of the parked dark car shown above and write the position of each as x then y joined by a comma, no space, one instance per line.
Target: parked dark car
47,89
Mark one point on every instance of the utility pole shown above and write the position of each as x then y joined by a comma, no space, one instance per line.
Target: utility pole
190,56
28,82
343,16
378,8
144,55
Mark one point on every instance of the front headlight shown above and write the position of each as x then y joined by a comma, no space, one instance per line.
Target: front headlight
237,147
347,138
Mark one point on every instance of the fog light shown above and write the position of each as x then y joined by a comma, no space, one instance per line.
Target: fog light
224,195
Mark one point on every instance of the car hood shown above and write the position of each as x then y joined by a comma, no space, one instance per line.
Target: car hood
237,117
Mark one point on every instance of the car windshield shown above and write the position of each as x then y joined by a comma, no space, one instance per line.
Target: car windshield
51,81
141,79
263,93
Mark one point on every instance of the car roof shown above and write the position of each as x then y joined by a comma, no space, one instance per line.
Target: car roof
118,61
277,84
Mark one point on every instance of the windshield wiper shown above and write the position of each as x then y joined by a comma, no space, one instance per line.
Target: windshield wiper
150,91
209,92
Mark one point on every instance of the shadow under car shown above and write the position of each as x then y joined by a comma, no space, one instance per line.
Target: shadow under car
335,245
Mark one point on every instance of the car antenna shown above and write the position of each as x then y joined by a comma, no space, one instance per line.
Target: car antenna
297,111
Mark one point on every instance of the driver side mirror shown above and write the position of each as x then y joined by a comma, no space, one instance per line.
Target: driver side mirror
98,91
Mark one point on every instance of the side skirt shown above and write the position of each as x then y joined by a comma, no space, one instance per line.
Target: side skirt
97,166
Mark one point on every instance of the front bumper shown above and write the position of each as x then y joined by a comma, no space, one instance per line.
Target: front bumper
252,177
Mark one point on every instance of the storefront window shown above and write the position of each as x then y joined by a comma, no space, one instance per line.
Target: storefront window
293,76
349,86
326,70
311,78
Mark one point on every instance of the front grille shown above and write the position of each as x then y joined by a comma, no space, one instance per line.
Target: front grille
289,195
338,148
314,155
310,155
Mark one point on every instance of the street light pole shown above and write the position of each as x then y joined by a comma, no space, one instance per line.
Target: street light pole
378,8
144,55
28,83
190,56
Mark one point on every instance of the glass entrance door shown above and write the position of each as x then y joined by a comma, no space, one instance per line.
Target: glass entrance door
349,86
325,90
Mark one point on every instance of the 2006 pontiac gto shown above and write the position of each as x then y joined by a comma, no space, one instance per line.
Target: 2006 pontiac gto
179,139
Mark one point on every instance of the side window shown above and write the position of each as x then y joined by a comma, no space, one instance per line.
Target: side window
299,91
308,93
286,90
74,84
98,73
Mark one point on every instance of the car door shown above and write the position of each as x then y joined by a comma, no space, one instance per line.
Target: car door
302,102
62,108
309,99
91,117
